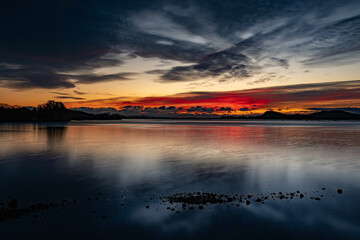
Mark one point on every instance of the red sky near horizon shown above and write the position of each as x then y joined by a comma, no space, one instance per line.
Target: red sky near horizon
291,98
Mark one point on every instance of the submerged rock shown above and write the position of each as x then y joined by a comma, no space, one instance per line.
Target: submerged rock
14,212
187,199
13,204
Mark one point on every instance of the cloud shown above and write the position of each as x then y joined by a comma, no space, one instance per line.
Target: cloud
69,97
79,93
200,109
92,78
324,35
46,43
225,109
164,42
225,64
244,109
162,111
159,25
53,46
328,94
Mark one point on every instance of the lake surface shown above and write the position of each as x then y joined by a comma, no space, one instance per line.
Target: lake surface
115,169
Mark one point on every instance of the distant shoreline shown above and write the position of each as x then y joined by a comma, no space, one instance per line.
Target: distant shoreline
334,115
56,112
49,112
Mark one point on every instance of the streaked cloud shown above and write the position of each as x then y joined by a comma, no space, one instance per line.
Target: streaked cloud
222,40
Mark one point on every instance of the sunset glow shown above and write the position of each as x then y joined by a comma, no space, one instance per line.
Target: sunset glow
149,55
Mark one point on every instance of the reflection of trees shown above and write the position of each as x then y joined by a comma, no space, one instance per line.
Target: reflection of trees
55,135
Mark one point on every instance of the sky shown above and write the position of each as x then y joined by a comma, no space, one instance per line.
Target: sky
164,58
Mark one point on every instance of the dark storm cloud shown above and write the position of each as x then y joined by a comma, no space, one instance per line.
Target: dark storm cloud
44,42
45,39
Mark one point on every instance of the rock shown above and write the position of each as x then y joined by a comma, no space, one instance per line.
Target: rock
339,191
147,206
247,202
301,195
323,188
317,199
13,204
201,207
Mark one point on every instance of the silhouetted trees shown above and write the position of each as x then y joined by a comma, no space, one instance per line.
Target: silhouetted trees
49,111
51,105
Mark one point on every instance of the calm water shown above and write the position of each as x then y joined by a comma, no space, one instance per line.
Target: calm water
131,161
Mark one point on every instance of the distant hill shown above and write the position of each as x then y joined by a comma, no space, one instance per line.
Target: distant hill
323,115
335,115
49,112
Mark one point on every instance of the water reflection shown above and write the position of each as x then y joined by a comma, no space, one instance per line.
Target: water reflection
44,162
54,135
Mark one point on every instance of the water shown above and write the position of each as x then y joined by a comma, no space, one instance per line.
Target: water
131,161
